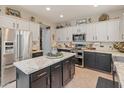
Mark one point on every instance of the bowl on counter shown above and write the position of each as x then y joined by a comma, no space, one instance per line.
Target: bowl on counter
119,46
55,56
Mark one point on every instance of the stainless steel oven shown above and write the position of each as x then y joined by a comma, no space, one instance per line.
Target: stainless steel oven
79,37
80,53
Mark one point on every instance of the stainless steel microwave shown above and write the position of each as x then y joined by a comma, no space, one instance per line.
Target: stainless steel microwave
79,37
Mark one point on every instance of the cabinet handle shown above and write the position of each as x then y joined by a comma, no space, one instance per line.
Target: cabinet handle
57,66
96,37
13,25
48,81
42,74
93,37
122,36
17,25
107,37
67,61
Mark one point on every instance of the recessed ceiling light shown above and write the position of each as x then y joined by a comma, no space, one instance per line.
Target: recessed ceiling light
61,16
95,5
48,8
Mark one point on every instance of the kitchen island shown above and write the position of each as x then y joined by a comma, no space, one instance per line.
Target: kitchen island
42,72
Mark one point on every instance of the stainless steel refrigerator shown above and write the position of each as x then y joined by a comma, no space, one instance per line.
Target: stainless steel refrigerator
15,46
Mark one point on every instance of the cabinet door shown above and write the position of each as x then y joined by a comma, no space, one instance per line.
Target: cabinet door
83,28
113,32
103,61
74,30
61,34
37,54
89,59
58,35
41,82
7,22
66,72
35,29
122,29
41,79
73,61
101,31
23,25
69,34
64,34
90,33
56,75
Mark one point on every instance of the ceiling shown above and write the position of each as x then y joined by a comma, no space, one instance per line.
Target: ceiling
69,11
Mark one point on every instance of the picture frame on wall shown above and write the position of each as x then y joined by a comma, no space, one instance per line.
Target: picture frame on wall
13,12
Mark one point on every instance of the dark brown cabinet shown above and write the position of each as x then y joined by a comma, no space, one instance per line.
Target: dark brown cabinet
56,75
64,50
89,59
103,61
100,61
68,70
41,79
37,54
73,61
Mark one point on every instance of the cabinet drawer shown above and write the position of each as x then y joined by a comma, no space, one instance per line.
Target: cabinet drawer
57,65
37,54
40,74
64,50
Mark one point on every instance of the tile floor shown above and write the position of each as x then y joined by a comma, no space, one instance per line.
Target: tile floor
84,78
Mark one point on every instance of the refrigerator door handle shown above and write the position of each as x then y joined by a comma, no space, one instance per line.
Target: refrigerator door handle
20,45
17,45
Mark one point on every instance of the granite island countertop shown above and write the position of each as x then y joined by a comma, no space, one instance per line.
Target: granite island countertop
32,65
120,71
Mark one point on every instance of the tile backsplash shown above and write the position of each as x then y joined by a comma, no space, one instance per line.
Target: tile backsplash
104,46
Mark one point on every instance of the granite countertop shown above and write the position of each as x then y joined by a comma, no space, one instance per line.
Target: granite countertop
32,65
120,71
114,53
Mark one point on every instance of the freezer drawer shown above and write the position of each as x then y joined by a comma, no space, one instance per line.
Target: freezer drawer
8,59
8,75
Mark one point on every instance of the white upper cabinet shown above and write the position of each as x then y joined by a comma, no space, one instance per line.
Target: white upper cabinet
83,28
113,30
69,33
7,22
122,29
90,33
23,25
101,31
80,29
105,31
14,23
64,34
60,35
35,29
